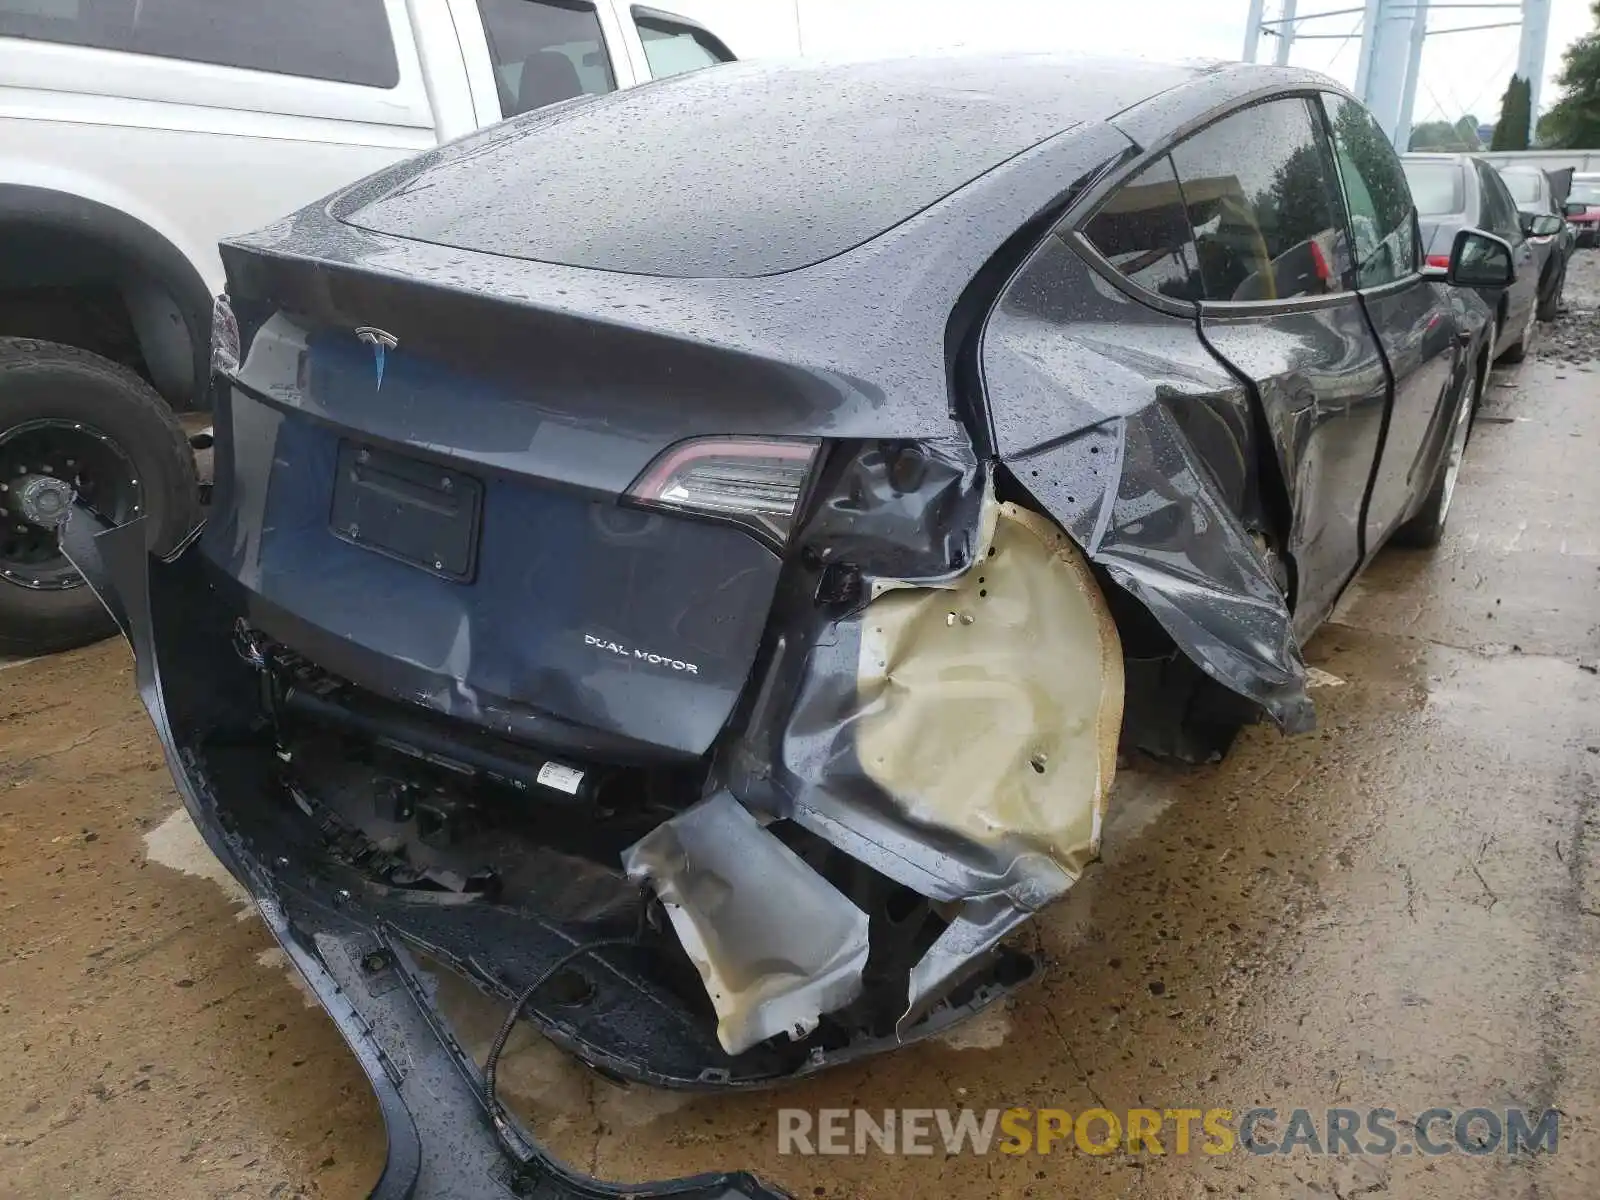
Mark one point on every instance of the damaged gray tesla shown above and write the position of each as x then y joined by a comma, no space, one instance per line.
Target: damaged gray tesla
689,559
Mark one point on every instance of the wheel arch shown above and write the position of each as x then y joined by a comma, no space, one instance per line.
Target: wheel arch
166,296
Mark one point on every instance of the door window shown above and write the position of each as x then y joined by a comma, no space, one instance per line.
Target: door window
1382,217
1499,211
545,51
345,42
673,47
1259,190
1525,187
1143,232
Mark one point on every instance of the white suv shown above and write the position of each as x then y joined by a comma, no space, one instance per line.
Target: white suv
134,134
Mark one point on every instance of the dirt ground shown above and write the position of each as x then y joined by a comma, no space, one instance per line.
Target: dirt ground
1400,910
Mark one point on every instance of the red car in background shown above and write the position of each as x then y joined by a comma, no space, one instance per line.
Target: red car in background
1583,208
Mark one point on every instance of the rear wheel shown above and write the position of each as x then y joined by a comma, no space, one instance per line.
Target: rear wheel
1524,343
1550,297
75,427
1426,529
1480,389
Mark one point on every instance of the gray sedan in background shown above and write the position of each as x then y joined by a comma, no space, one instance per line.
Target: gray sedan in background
1455,192
1540,193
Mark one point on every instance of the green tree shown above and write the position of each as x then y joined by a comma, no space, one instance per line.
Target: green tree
1573,122
1516,115
1297,197
1461,135
1358,138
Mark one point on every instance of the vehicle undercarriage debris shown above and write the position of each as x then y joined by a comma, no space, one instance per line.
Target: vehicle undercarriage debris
921,763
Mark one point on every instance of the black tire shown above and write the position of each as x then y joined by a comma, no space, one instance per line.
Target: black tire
1426,529
1550,300
1481,388
1174,711
1519,350
46,381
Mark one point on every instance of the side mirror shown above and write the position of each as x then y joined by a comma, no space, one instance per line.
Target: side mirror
1574,208
1480,260
1525,222
1545,225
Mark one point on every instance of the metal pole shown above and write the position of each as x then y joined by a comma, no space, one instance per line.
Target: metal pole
1369,26
1530,56
1285,33
1252,30
1408,95
1386,78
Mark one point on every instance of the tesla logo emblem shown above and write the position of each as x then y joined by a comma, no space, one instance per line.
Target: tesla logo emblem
381,342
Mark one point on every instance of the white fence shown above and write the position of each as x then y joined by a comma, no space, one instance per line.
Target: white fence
1582,161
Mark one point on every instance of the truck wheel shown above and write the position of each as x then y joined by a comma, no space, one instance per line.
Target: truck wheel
73,424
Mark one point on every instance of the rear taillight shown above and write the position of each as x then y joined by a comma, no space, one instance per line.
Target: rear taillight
1439,260
1319,262
754,482
224,338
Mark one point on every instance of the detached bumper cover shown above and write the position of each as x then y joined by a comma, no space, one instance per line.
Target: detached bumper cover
442,1143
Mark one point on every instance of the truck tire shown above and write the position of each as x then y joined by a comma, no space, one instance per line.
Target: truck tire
71,419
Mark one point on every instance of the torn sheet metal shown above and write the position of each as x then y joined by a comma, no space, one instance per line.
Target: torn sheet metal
1131,433
1137,497
992,709
960,737
775,944
904,513
966,941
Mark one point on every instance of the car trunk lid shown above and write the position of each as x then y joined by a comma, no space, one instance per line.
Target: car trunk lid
433,494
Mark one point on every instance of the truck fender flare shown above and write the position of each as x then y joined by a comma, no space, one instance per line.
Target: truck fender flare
167,298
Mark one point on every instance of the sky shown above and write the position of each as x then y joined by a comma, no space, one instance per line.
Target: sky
1461,73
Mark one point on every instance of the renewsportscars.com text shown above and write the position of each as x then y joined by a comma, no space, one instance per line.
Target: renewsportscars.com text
1180,1131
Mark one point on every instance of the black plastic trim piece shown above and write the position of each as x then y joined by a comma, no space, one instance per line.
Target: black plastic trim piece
138,245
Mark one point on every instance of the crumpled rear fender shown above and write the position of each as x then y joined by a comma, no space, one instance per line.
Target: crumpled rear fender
1119,421
1135,494
941,698
942,692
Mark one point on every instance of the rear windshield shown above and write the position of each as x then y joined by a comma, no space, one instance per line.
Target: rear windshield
742,171
1523,186
1585,191
1436,187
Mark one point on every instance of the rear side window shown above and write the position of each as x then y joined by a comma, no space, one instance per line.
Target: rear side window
1262,204
544,51
673,47
345,41
1436,187
1523,186
1383,219
1499,210
1143,232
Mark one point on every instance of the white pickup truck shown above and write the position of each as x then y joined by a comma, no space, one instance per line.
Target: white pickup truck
134,134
